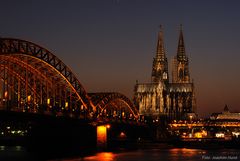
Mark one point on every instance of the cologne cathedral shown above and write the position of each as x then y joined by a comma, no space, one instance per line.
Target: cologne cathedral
160,98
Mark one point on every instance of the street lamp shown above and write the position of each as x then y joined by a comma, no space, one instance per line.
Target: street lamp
190,118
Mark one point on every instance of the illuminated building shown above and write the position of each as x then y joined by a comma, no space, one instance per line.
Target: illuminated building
160,97
226,115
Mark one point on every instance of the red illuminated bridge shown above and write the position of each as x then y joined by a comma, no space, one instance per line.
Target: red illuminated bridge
33,80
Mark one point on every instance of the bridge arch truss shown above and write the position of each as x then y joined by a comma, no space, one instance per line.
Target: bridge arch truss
113,105
32,79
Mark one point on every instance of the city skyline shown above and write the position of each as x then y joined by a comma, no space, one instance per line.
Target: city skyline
110,44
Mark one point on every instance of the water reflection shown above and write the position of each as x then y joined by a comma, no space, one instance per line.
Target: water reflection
2,148
184,151
106,156
174,154
17,153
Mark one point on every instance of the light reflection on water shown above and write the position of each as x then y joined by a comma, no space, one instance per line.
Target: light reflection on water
106,156
174,154
13,153
185,152
17,153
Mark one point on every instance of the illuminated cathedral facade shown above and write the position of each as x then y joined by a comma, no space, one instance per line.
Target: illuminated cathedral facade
174,100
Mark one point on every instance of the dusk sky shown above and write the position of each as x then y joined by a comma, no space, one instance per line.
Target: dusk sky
109,44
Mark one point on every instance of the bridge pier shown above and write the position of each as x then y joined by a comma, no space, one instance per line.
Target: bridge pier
102,136
119,134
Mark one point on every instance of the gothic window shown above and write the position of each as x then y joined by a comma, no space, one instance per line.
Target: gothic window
185,72
180,74
159,71
165,75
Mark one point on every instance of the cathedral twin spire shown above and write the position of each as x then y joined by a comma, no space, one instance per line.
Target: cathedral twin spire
160,45
181,55
181,47
161,97
160,64
180,66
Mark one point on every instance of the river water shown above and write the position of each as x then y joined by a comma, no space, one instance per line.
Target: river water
18,153
174,154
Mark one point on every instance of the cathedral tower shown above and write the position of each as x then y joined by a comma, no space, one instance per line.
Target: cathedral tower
160,64
182,94
163,99
180,63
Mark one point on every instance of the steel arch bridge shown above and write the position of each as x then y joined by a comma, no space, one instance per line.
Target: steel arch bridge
113,105
32,79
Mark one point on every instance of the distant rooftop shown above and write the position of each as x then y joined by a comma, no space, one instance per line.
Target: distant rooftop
225,115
